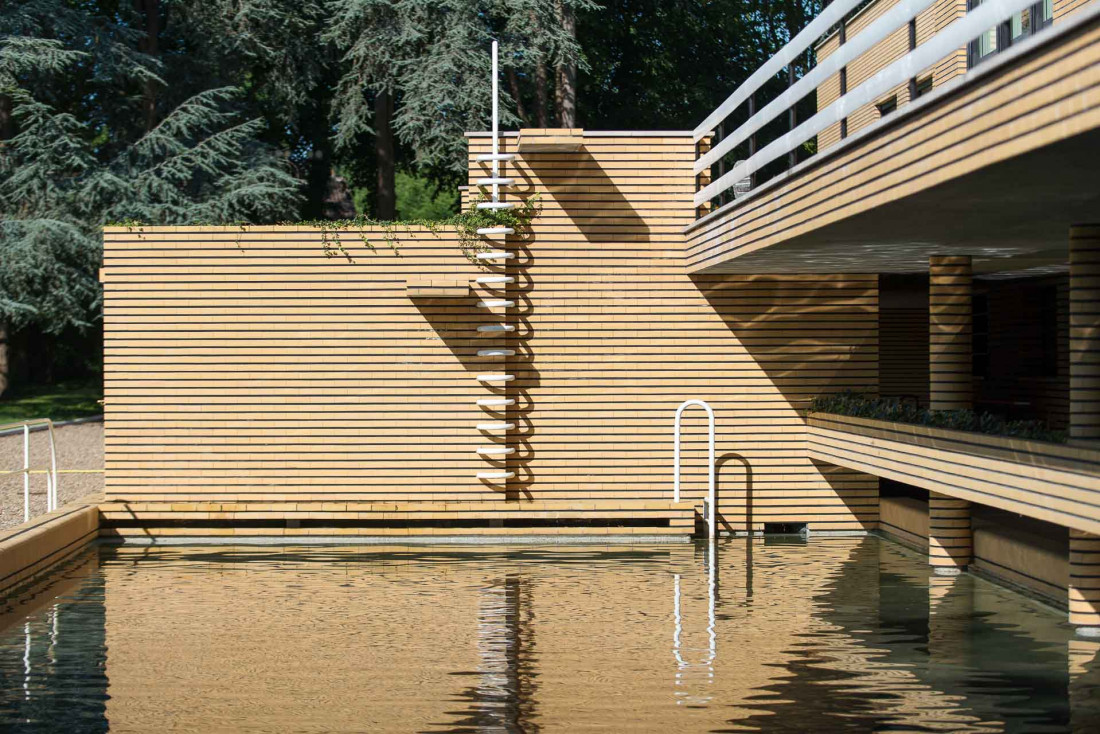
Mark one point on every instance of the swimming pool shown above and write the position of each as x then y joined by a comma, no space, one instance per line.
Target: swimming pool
825,634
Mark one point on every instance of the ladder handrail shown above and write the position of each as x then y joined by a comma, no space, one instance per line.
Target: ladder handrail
710,473
51,476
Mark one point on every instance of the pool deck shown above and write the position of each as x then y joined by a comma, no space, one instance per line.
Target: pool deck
31,549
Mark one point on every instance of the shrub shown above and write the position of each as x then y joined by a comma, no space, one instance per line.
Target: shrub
859,405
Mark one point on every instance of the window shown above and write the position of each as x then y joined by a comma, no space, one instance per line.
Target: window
1019,26
980,335
887,106
922,87
1048,324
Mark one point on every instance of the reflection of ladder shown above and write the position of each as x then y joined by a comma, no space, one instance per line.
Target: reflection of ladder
708,506
496,258
685,670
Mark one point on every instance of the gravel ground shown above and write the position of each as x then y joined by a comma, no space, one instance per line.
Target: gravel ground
78,447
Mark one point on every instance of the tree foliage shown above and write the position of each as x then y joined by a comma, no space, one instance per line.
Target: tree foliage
662,65
66,168
172,111
432,56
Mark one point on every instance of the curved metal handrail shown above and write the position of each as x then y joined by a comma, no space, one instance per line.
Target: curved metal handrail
51,476
710,469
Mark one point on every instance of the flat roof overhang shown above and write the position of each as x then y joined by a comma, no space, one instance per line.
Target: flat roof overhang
997,166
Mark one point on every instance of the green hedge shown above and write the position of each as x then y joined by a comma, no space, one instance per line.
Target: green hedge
858,405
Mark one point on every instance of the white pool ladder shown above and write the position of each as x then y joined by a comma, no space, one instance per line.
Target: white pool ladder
495,258
708,509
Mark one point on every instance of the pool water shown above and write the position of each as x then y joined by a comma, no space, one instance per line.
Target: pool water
777,635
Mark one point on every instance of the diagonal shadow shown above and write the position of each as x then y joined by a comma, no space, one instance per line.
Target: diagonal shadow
586,194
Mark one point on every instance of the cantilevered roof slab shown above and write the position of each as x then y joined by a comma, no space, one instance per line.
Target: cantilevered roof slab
996,166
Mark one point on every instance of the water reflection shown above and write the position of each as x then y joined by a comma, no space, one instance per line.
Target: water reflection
695,677
846,634
503,699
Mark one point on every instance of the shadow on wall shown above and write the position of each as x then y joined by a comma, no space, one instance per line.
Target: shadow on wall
858,491
809,334
742,480
592,201
455,322
522,365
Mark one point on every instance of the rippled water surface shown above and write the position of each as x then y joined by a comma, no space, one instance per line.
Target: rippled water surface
842,634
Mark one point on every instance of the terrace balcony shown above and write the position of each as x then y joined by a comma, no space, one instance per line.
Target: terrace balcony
1051,482
842,170
950,151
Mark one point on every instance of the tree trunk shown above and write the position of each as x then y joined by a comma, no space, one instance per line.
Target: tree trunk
150,44
542,82
566,92
386,196
513,84
3,358
542,96
5,118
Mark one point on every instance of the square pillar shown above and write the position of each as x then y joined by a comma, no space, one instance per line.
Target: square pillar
950,333
1084,582
1084,334
950,542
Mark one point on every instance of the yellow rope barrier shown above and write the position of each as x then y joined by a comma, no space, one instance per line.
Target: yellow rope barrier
59,471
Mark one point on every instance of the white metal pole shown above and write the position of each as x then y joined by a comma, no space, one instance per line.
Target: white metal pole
496,142
710,489
676,458
51,482
26,472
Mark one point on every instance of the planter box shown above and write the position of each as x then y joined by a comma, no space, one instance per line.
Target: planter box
1051,482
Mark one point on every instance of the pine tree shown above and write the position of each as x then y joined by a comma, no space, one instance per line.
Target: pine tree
425,64
66,169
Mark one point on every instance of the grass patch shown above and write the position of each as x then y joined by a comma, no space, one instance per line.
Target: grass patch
63,401
858,405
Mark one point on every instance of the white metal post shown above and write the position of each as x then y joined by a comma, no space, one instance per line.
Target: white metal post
26,472
51,473
496,141
51,478
710,518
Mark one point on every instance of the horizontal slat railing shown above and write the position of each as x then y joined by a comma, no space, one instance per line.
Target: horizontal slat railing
816,28
952,37
886,24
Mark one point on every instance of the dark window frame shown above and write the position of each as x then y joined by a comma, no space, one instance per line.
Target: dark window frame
1004,32
886,106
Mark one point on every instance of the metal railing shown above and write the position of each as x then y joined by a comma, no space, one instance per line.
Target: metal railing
948,40
51,474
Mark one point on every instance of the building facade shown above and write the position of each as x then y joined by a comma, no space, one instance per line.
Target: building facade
928,232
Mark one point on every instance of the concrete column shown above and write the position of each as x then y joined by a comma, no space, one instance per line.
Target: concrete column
1084,334
1084,582
950,542
950,387
950,333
